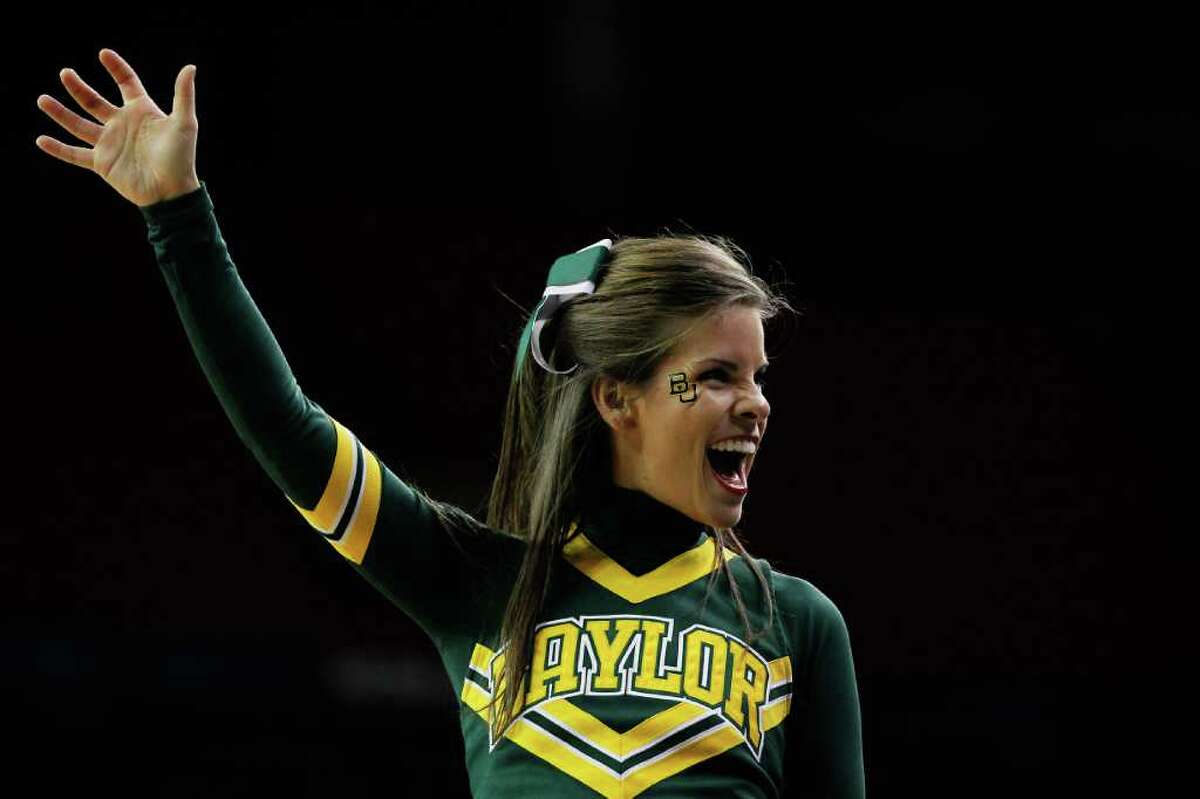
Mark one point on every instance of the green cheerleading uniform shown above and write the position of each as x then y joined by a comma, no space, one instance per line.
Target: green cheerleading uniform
638,684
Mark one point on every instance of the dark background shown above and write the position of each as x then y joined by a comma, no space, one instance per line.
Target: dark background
986,220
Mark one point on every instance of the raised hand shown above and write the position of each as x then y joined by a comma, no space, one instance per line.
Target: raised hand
146,155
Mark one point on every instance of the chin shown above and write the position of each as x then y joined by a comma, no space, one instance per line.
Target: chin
725,517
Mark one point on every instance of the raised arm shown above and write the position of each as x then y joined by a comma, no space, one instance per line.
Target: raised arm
336,483
292,438
339,486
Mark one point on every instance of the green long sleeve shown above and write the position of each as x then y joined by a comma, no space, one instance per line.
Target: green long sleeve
341,488
288,434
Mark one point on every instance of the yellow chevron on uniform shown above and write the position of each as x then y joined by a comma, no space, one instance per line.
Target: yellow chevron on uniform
543,744
342,499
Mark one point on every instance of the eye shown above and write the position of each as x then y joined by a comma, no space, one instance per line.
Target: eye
722,375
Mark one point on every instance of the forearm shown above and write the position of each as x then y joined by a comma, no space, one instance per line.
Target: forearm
237,351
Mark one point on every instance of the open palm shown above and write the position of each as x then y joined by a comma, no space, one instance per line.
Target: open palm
146,155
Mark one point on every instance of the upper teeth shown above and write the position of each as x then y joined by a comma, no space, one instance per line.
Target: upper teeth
735,446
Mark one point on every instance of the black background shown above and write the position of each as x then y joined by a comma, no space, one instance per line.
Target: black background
986,219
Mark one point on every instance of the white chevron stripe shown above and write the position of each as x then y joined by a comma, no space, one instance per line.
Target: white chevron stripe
620,758
666,735
574,751
661,755
363,491
614,755
349,488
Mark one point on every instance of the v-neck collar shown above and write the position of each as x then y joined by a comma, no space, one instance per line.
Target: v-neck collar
638,547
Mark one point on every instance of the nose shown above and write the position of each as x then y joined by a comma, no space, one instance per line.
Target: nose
753,405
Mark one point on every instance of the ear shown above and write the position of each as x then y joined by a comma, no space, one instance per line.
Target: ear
611,400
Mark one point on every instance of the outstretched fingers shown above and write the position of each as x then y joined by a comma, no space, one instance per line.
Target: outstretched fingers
127,80
86,96
79,156
80,127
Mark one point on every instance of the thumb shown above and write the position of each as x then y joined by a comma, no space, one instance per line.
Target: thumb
185,94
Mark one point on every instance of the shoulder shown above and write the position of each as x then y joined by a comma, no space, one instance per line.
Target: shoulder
798,597
810,617
794,596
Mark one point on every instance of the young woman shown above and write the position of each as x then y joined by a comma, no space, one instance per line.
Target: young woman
652,653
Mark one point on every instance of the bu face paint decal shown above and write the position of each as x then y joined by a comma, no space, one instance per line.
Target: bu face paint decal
680,385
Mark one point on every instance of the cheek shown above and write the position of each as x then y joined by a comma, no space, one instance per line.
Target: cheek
676,436
710,407
660,435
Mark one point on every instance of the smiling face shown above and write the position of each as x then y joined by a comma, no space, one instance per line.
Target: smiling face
707,391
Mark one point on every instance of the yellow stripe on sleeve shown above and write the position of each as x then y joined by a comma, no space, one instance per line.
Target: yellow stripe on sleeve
335,504
329,508
353,543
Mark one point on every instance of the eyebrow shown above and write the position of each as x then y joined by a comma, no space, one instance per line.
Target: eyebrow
733,366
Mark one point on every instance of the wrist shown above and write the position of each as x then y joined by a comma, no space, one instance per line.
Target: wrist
187,187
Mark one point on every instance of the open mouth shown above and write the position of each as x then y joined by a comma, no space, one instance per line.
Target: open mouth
729,469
